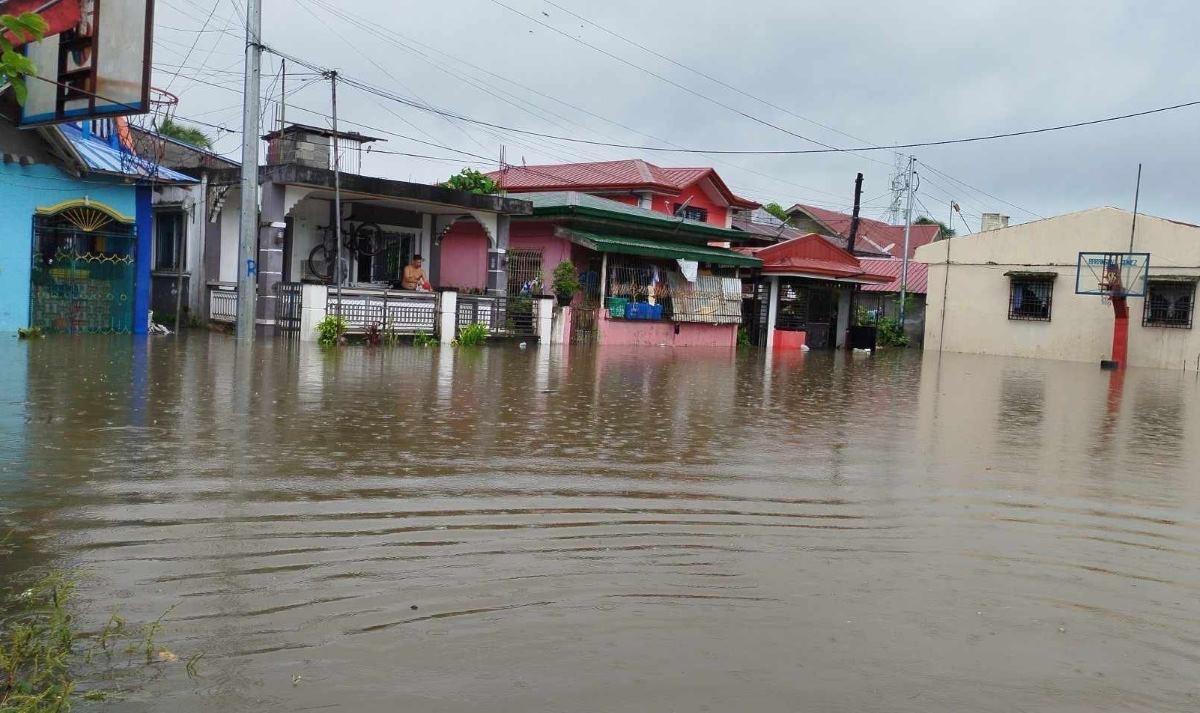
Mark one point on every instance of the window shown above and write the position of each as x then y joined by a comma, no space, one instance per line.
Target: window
691,212
1030,298
525,272
168,239
388,266
1169,303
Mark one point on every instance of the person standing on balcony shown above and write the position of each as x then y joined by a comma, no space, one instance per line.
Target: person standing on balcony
414,277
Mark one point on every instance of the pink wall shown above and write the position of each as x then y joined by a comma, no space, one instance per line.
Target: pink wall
464,256
619,332
540,236
717,214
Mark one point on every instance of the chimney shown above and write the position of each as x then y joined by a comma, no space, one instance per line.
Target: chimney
993,221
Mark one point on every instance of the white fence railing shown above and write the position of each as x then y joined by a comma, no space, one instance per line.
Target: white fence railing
394,311
222,302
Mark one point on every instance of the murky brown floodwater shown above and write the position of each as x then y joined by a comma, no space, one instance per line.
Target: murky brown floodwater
640,530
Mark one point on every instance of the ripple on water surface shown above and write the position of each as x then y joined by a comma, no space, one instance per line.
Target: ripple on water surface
515,530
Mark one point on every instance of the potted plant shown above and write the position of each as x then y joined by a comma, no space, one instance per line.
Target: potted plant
566,282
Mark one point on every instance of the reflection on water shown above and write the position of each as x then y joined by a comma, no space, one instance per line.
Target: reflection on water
535,530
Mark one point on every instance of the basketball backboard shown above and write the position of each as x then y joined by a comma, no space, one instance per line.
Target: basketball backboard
1112,274
98,67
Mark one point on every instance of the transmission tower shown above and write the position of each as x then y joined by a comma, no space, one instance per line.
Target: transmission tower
899,189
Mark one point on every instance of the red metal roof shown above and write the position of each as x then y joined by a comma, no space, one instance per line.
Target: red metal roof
891,268
810,254
889,238
627,174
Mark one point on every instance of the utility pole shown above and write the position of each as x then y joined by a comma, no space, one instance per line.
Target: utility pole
854,216
908,182
247,266
282,93
337,194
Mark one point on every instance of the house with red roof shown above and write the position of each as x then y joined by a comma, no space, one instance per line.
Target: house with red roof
697,194
810,283
875,235
881,245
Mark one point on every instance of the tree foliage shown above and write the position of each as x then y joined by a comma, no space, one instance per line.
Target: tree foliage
777,210
14,66
947,231
471,181
187,134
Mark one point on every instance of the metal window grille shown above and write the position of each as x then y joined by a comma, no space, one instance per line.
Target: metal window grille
168,231
691,212
1030,300
1169,304
525,272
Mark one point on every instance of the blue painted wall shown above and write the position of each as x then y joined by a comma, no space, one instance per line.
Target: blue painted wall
23,189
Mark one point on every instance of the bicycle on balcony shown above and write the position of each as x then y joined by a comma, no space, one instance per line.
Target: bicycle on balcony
365,240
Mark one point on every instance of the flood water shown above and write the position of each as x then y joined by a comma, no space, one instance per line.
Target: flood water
617,530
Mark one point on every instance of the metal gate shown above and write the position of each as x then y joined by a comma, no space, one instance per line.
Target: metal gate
288,306
755,312
82,280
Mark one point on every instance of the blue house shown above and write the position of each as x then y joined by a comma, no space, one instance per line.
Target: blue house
76,228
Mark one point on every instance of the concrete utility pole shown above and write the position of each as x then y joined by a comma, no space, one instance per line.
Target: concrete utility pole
337,194
247,290
908,182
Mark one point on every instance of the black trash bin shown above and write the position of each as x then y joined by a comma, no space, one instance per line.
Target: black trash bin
863,337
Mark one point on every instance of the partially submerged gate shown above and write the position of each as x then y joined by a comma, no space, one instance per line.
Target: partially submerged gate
82,274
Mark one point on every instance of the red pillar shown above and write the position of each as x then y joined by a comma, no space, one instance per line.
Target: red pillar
1120,344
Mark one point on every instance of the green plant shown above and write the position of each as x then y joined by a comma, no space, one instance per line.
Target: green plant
471,181
30,333
472,335
42,663
423,339
186,134
743,338
36,648
373,335
330,330
565,280
778,211
891,333
14,66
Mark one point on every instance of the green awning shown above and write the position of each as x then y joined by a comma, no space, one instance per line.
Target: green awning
1031,275
658,248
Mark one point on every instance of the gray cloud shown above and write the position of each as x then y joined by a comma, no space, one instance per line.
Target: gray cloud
884,72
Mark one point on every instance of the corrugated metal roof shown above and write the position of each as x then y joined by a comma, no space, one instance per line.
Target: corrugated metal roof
659,248
100,157
918,274
548,201
610,175
890,238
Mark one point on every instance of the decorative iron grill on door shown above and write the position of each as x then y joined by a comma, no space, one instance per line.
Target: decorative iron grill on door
287,307
82,273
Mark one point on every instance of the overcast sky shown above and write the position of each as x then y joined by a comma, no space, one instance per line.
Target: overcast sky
882,72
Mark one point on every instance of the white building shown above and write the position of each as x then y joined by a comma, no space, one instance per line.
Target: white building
1011,291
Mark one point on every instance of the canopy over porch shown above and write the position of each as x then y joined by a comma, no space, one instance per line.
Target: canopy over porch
403,219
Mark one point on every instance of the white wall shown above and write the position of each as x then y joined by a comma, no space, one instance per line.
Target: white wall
976,291
230,225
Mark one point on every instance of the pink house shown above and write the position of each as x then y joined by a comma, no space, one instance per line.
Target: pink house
648,276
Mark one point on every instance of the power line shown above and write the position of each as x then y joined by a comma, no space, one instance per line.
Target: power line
364,86
711,78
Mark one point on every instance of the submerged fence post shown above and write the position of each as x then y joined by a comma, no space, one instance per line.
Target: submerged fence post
545,319
448,316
